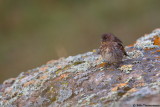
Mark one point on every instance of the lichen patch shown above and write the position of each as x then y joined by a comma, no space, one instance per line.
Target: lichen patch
126,68
157,40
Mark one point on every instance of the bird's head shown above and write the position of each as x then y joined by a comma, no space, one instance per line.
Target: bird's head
109,37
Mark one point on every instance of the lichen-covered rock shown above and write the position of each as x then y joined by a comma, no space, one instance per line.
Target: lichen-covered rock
84,81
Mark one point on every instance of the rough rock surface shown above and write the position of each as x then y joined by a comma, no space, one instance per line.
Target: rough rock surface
84,81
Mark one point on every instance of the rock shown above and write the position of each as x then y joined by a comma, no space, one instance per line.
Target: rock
84,81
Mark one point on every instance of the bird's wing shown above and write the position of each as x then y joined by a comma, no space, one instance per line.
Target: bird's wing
122,48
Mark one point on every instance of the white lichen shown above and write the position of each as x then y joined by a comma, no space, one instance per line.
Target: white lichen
64,94
135,54
126,68
146,42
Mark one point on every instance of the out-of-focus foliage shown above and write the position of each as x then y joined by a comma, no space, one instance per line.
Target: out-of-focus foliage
35,31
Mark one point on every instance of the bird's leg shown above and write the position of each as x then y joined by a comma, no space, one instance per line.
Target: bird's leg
117,64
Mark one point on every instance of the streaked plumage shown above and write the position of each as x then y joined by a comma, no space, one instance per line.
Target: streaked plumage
111,49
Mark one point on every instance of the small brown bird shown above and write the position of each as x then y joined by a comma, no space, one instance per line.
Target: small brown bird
111,49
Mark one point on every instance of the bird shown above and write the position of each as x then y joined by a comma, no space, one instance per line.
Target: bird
111,49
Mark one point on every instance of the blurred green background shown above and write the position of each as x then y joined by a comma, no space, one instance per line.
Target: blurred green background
33,32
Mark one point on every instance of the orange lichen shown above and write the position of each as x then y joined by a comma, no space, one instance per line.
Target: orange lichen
59,67
43,77
102,64
147,49
119,86
122,84
157,58
52,61
29,83
131,45
157,50
62,76
157,40
132,90
43,68
140,84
